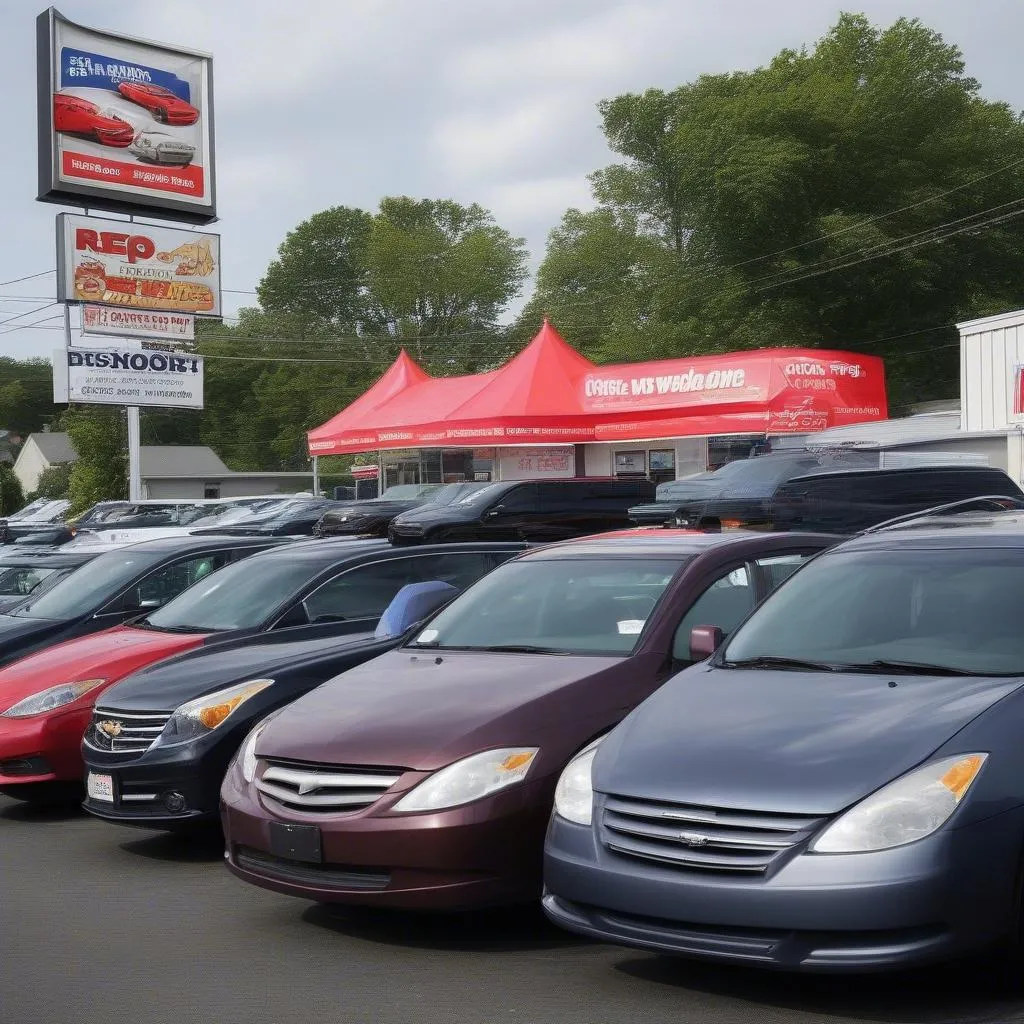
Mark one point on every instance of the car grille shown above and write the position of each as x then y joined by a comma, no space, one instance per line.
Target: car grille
118,732
325,788
697,838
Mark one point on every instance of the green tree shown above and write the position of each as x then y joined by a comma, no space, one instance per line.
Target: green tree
11,496
101,470
54,481
857,191
26,394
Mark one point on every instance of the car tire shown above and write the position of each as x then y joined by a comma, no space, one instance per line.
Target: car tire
45,794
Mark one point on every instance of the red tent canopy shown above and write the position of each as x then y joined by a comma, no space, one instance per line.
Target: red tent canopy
549,393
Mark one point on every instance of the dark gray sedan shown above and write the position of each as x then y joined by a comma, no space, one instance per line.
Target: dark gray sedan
840,787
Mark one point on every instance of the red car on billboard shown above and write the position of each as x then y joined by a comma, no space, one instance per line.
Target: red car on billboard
83,117
160,102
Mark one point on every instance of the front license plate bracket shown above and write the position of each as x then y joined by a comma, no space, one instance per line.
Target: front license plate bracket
296,842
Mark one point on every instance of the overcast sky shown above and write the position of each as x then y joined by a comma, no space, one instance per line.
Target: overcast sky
325,102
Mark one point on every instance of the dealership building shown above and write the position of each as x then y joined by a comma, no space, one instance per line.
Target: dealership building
551,413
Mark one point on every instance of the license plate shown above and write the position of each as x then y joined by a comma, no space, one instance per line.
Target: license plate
101,787
295,842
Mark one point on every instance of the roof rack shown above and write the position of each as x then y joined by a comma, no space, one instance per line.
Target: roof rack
983,503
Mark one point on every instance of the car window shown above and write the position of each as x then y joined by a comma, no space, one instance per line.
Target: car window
578,605
22,579
725,603
776,568
955,609
519,499
167,582
360,593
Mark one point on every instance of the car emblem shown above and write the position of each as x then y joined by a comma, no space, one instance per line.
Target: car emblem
308,785
111,729
693,839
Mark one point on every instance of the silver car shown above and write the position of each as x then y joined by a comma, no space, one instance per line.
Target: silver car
162,148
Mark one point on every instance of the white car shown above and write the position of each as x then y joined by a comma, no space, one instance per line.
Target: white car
162,148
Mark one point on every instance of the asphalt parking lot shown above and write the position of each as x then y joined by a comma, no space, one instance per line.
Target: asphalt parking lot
102,925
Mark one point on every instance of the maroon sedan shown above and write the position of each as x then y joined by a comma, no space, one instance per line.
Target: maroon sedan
424,779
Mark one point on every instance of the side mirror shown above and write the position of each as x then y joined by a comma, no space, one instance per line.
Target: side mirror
704,641
412,604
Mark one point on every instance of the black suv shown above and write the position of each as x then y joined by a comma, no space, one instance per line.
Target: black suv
539,511
837,491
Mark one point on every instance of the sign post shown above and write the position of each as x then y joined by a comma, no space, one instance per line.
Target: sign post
134,454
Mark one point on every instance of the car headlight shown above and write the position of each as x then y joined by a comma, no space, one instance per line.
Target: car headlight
247,758
469,779
51,699
574,794
201,716
910,808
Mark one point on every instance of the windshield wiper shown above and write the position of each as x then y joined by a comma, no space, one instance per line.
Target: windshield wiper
519,649
773,661
917,668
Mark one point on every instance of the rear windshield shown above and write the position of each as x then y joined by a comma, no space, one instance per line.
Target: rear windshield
957,610
557,606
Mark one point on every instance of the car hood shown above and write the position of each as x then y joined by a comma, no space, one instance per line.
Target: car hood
794,742
368,510
16,629
204,670
425,709
109,655
428,515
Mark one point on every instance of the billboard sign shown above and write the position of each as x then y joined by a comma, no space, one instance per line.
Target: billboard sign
124,124
123,376
138,323
137,266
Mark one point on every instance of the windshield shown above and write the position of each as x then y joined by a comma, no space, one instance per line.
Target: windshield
558,606
89,586
404,492
454,492
239,596
485,494
957,610
21,579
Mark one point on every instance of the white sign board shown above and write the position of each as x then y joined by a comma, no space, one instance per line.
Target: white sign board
138,323
135,266
163,380
549,463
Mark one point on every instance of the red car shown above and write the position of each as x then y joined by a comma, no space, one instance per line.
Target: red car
46,702
83,117
160,102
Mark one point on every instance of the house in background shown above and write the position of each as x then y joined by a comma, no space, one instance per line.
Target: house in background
168,471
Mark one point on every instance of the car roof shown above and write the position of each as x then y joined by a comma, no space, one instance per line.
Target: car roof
192,542
868,472
58,559
658,541
968,529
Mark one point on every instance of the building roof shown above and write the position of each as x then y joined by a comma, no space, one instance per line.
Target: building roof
177,461
54,446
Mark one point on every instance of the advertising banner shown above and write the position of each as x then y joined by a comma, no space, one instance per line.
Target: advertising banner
536,463
124,124
138,323
121,376
137,266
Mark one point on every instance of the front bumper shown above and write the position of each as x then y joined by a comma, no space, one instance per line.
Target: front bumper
147,790
487,853
932,900
42,748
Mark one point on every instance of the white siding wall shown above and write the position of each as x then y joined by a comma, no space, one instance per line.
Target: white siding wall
990,351
691,454
29,466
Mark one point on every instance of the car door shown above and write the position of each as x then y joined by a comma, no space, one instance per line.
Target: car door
515,511
732,595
